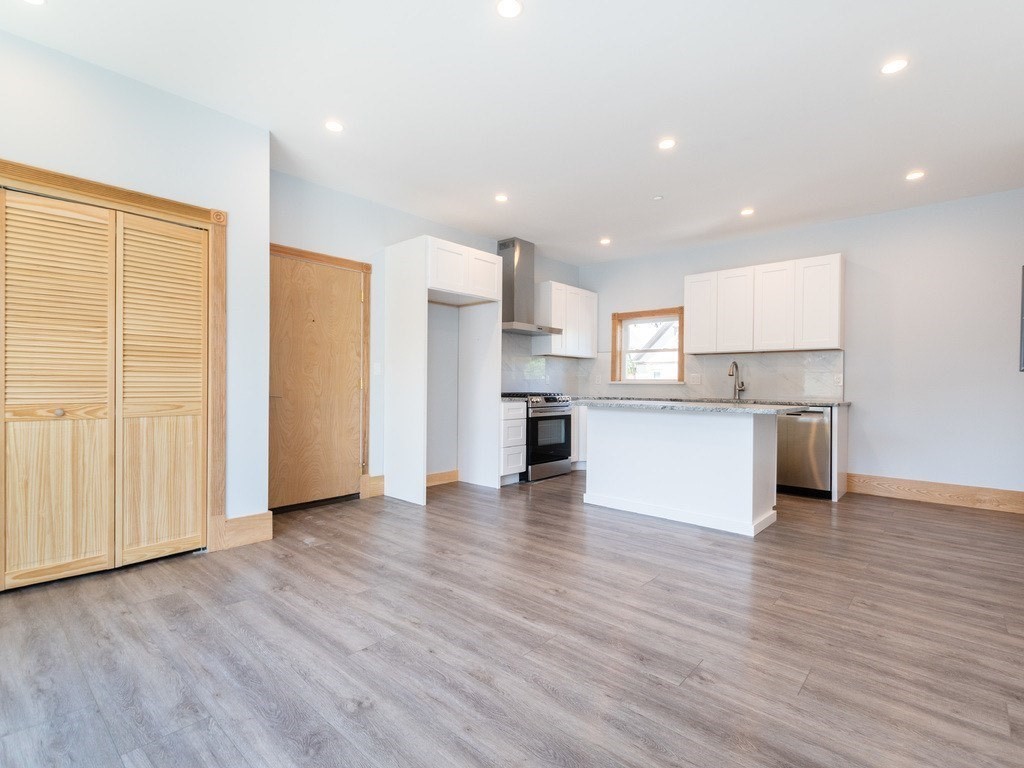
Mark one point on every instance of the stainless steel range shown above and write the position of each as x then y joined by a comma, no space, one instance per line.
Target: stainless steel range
548,434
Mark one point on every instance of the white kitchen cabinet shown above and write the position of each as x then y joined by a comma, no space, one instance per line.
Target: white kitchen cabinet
700,322
579,436
513,410
513,441
572,309
774,306
571,329
463,272
513,460
766,308
513,433
818,311
734,326
549,310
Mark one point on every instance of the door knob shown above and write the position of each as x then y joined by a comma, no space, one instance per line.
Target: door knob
59,412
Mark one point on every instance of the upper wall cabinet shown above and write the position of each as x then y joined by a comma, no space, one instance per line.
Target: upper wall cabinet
774,306
700,329
819,303
458,274
575,312
735,327
770,307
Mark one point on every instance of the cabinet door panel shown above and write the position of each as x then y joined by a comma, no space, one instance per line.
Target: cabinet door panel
163,388
819,303
58,281
550,311
483,275
447,271
773,306
701,303
735,323
571,329
513,460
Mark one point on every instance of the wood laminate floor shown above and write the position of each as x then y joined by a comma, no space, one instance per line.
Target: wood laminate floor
522,628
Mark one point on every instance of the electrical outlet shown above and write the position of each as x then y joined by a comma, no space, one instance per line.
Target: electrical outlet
695,378
838,379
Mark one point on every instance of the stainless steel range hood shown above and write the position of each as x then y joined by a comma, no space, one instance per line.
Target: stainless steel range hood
518,289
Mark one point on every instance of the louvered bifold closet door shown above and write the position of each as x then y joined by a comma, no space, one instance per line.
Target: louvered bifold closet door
58,262
162,382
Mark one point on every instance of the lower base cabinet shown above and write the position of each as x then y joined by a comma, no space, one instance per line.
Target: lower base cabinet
513,439
513,460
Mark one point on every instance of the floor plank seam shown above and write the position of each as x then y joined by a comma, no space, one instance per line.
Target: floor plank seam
541,645
803,683
690,674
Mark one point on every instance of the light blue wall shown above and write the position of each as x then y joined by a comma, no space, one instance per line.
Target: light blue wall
932,330
64,115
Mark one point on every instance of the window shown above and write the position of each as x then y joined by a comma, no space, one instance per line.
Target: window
648,345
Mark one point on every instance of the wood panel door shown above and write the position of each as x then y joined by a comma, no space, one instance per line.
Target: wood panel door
316,375
58,262
162,381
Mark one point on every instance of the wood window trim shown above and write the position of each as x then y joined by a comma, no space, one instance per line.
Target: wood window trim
366,270
618,318
39,181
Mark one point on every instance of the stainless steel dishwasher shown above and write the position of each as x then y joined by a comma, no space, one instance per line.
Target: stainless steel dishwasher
805,452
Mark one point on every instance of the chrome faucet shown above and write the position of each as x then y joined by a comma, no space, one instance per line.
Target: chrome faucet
737,385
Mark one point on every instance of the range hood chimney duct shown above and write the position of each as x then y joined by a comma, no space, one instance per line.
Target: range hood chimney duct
518,289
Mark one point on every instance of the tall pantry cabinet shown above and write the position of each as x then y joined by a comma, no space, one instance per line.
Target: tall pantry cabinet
104,385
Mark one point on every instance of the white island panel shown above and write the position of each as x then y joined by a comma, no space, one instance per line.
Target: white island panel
713,469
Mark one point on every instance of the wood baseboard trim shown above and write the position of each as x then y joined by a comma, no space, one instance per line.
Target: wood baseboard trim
442,478
370,486
239,531
994,499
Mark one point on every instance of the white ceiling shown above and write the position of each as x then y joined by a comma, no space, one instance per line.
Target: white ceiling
776,105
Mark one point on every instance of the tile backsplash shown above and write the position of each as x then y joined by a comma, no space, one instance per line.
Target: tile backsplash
522,372
768,375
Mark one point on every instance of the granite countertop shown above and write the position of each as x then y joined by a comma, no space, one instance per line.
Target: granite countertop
687,406
513,399
754,401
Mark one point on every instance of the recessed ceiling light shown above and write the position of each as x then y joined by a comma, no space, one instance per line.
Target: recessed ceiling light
659,197
894,66
666,143
509,9
747,212
501,198
915,175
334,126
606,241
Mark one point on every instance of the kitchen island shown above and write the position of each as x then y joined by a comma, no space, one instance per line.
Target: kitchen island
709,464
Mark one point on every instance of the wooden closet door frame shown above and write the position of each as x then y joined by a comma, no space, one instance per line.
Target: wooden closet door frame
38,181
288,252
